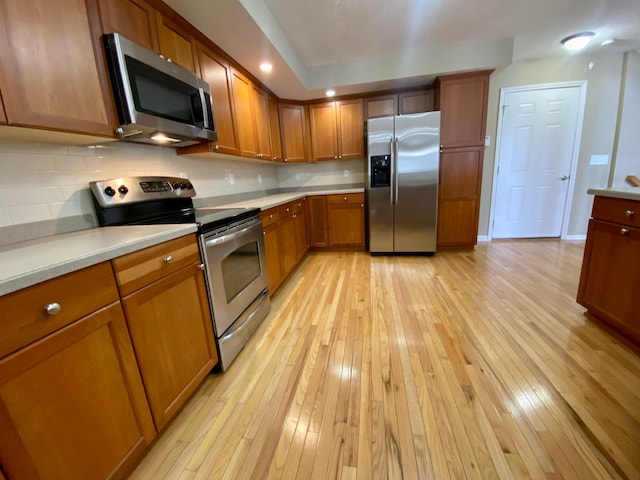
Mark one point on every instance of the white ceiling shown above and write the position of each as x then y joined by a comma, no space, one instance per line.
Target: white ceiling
364,45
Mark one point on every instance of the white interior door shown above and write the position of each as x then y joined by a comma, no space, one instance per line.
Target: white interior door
538,137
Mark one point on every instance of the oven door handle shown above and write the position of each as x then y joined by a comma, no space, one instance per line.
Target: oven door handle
231,236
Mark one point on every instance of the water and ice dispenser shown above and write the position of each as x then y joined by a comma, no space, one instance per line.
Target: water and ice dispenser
380,171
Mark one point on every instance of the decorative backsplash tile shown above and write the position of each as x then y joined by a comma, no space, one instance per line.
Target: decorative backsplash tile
41,182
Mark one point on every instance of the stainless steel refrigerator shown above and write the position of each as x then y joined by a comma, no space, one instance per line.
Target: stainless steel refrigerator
402,184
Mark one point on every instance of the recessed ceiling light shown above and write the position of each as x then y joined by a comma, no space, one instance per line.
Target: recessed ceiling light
330,93
577,41
266,67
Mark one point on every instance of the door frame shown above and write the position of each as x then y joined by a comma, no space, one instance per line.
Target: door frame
582,85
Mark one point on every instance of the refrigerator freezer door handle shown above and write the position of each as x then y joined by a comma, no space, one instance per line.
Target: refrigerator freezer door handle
393,162
395,169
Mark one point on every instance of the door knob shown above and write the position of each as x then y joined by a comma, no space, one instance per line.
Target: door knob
564,178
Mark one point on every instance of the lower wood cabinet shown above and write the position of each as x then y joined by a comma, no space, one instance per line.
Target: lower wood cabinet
169,323
459,196
610,278
286,239
346,220
318,221
72,405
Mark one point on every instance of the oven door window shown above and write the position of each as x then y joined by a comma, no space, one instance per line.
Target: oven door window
240,268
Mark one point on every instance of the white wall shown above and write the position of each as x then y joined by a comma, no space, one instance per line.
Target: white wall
627,159
46,182
601,112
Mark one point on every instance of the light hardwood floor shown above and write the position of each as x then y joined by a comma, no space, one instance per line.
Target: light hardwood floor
471,365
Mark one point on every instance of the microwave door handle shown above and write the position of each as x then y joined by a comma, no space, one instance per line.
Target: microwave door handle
203,105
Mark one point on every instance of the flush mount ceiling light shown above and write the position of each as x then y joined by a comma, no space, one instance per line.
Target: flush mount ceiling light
577,41
266,67
330,93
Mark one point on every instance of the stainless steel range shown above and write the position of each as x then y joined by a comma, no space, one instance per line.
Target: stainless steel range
231,247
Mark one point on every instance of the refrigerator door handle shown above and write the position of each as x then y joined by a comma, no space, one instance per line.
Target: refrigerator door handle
395,168
393,162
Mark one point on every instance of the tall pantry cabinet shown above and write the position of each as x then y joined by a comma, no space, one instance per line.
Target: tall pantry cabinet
462,99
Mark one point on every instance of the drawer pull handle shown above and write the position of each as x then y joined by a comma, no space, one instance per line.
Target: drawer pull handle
271,216
53,308
629,213
294,216
344,198
168,259
201,266
287,209
624,231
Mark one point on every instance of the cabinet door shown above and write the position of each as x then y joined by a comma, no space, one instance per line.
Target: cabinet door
217,73
459,196
261,118
72,405
287,233
346,225
324,130
609,283
274,131
172,334
176,43
133,19
245,127
463,103
57,78
350,129
294,132
272,249
383,106
416,102
318,226
302,233
3,116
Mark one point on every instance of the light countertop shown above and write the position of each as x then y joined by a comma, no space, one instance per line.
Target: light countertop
270,201
35,261
631,193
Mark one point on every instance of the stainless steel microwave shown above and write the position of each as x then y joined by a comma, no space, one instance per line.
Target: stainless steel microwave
158,102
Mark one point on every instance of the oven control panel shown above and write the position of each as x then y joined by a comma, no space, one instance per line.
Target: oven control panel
124,190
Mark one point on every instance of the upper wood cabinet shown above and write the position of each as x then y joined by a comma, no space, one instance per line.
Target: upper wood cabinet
241,88
417,101
176,43
337,130
382,106
295,132
462,99
216,71
57,76
403,103
260,107
133,19
274,130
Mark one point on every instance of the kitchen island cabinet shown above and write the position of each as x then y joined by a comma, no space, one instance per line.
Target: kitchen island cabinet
72,401
167,311
57,78
610,278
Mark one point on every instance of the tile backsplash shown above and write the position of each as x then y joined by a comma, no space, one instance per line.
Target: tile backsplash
40,182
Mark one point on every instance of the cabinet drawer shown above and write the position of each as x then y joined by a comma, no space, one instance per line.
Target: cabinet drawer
270,216
286,210
617,210
141,268
297,206
24,315
345,198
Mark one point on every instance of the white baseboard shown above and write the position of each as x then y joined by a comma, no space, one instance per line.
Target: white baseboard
574,237
483,238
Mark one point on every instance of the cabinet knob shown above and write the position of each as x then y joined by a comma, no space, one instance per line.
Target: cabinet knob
335,156
215,147
270,216
339,156
624,231
201,266
362,205
294,216
286,159
53,308
287,209
168,259
344,198
629,213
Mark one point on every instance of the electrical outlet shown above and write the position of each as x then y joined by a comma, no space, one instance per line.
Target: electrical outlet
297,177
230,178
346,172
259,178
